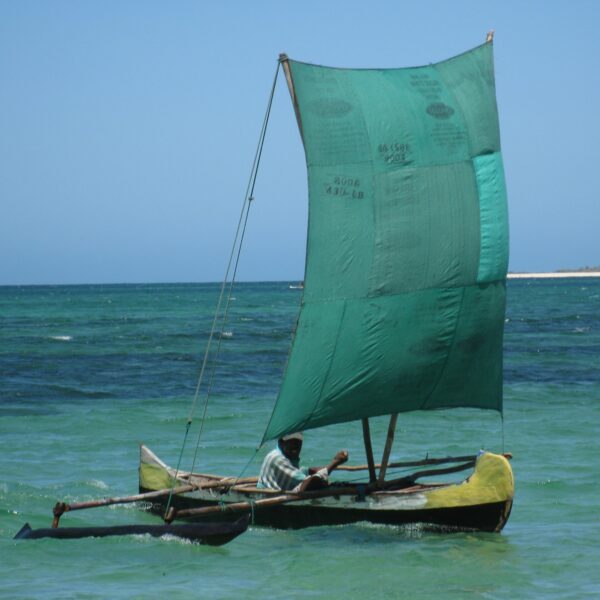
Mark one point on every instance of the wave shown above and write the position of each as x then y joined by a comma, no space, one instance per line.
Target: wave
97,483
77,392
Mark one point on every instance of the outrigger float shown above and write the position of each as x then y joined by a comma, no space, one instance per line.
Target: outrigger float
212,534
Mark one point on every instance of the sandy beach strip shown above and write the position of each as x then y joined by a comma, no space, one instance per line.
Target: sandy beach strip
560,275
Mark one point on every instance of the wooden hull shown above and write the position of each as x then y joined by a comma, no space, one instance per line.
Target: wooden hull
480,503
483,517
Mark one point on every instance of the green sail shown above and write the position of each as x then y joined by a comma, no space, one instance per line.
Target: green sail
407,253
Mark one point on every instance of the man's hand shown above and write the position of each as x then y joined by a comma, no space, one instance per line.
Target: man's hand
341,457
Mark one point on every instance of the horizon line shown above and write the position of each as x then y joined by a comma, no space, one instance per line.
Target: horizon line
510,275
89,283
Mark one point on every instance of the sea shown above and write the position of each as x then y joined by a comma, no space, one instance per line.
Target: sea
88,372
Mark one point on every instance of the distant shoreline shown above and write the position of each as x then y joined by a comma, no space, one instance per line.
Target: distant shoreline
291,282
557,275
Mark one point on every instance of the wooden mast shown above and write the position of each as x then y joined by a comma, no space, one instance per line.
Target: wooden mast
388,448
369,450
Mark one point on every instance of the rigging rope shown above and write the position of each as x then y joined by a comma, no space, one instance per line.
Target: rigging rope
237,243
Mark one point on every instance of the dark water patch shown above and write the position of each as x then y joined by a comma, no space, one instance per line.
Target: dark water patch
563,349
65,391
195,335
267,334
552,374
35,390
26,411
154,338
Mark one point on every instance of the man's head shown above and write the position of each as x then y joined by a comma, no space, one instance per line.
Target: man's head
291,445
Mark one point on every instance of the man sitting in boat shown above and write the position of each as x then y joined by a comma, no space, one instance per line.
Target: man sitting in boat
281,467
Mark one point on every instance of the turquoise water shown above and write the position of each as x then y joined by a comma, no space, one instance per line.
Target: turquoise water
88,372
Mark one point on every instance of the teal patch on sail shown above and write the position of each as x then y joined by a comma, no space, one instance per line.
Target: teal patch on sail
493,214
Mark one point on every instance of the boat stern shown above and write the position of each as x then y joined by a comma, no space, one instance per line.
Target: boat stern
492,483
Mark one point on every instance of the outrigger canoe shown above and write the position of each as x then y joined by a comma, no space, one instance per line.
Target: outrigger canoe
404,298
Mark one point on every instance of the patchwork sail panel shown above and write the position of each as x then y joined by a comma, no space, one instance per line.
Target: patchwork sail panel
407,250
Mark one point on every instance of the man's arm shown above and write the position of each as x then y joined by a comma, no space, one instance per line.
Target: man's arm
319,479
340,458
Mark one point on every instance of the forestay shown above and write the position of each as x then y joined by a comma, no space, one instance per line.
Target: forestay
407,252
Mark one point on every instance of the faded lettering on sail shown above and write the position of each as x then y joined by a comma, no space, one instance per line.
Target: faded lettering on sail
407,251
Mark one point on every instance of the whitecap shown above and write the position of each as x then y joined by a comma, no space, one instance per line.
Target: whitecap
134,506
146,538
97,483
168,537
61,338
227,334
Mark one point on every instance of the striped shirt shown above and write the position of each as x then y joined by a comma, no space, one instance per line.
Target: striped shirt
280,473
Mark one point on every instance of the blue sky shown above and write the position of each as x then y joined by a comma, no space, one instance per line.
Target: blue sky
127,129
